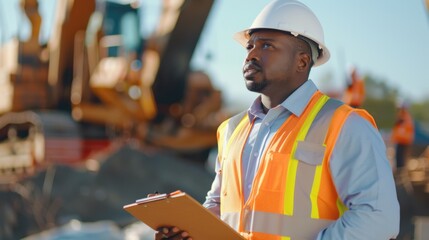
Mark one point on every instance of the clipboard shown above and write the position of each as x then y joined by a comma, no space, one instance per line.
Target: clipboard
181,210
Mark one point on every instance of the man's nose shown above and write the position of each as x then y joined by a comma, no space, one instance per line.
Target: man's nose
252,54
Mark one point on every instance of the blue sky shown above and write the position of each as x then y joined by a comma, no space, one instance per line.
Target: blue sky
385,38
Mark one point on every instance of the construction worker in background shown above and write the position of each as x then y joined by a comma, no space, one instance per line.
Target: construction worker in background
297,164
402,135
354,94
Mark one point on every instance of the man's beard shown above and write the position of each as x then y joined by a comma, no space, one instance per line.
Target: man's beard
256,87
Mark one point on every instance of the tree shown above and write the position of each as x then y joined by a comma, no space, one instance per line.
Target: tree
419,110
380,101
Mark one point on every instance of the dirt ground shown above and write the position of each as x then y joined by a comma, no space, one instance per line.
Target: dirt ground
55,196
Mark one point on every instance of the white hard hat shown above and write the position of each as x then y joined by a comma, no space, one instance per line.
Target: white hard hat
290,16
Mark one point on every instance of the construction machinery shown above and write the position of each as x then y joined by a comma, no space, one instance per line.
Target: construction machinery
97,80
95,88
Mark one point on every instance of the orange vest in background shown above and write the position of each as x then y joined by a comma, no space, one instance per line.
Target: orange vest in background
355,93
293,195
403,130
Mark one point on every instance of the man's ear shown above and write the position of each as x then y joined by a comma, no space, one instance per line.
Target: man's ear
304,61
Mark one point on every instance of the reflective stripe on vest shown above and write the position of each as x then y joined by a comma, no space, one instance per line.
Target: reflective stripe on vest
306,200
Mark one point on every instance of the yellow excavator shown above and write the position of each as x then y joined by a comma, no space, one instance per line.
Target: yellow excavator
96,81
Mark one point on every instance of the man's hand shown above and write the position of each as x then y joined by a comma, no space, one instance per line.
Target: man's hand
171,233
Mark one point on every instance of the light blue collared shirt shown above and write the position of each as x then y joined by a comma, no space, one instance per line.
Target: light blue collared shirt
359,168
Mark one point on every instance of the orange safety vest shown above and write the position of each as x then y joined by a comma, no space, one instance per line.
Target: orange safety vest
403,131
293,194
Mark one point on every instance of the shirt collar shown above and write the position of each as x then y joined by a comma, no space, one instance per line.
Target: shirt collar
295,103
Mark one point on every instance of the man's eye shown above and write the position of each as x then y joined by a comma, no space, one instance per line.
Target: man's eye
266,45
249,47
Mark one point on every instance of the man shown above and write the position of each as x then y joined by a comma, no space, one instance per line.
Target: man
354,94
402,135
297,164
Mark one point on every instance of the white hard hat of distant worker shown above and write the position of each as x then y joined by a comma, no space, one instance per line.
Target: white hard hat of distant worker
293,17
